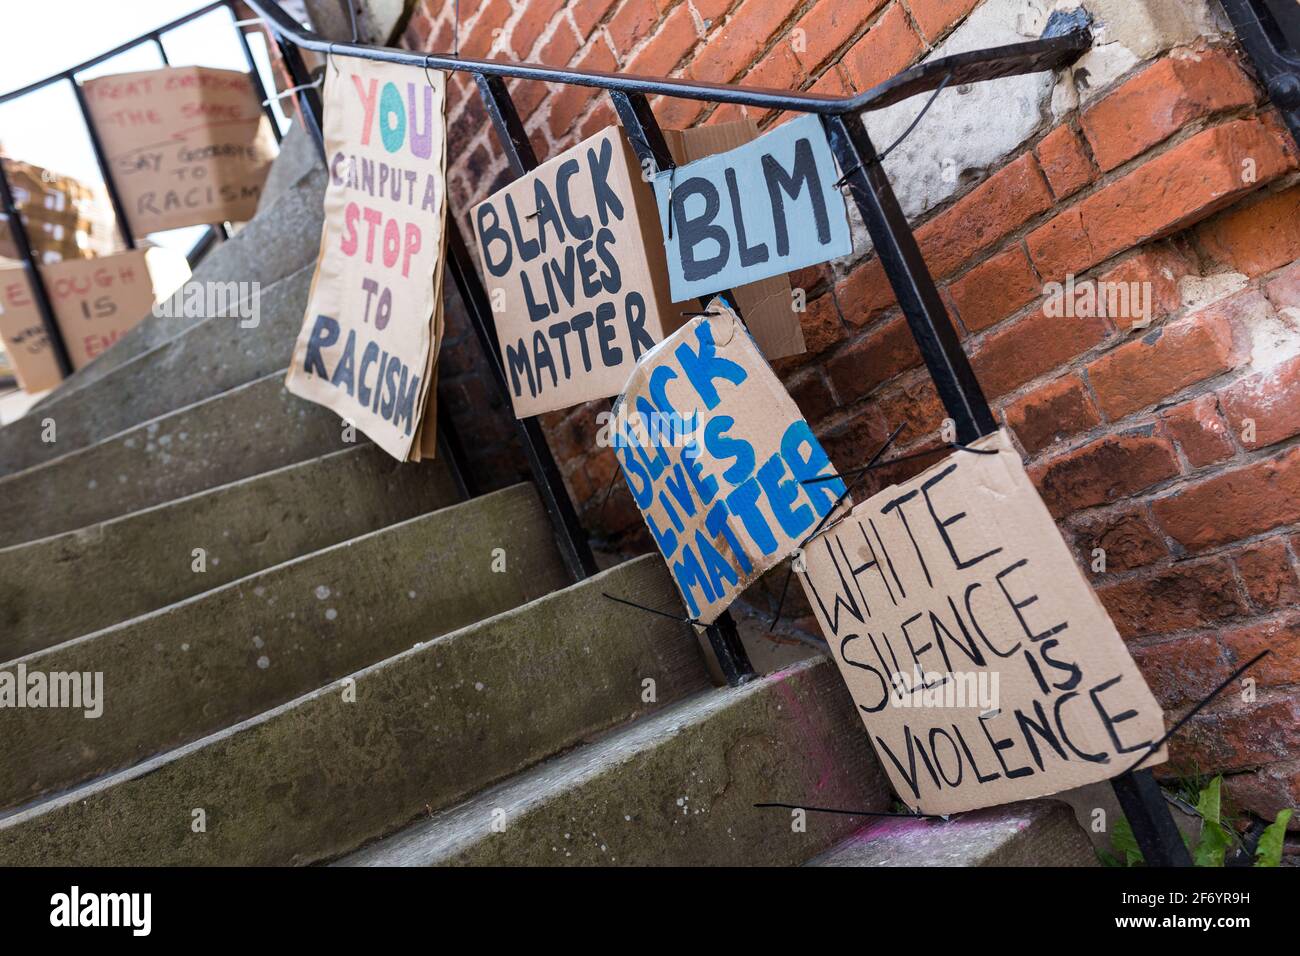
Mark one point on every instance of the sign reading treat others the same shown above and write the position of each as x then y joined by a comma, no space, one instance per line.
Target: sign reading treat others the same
188,145
574,265
983,665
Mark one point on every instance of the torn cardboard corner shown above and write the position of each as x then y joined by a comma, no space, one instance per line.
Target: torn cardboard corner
727,474
188,145
984,666
369,343
574,266
766,304
96,302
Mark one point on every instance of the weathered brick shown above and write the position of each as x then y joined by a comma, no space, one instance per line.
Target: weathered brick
995,288
778,70
1162,362
985,216
1104,471
559,49
1199,431
674,39
913,402
588,13
1266,790
1126,537
1157,268
877,357
1161,100
1065,162
1243,737
864,293
827,26
1256,238
738,43
1270,400
1283,290
888,47
479,40
1030,346
1188,183
568,102
852,442
1268,574
633,22
1182,671
813,395
936,16
1233,505
1052,412
822,325
524,34
1187,595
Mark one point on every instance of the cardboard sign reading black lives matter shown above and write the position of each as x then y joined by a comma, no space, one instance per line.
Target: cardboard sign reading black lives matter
574,266
760,210
984,667
369,342
719,460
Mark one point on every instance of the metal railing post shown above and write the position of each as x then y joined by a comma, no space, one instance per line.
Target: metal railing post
647,140
570,534
119,210
23,245
259,88
963,399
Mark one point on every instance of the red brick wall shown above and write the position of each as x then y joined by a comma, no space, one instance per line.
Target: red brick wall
1141,441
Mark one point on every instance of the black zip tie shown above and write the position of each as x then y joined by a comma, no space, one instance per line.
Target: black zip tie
704,312
609,491
852,813
651,610
871,466
840,183
785,588
1197,709
919,116
533,215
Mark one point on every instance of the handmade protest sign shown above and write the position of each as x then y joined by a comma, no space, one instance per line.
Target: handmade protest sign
574,267
373,328
96,302
759,210
983,665
188,145
718,460
768,304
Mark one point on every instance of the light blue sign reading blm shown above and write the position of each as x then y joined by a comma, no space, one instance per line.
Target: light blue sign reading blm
760,210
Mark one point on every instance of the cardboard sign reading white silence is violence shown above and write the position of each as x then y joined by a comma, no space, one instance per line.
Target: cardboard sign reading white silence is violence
188,145
574,267
984,666
719,460
370,339
759,210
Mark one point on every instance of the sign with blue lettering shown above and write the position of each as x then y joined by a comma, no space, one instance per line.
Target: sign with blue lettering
764,209
719,460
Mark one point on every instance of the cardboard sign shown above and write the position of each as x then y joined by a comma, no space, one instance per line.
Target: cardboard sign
373,328
759,210
574,265
718,459
188,146
96,302
766,305
984,667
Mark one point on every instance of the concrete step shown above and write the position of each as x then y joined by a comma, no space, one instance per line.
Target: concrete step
298,157
280,240
205,663
140,562
212,357
243,432
320,775
1038,833
676,789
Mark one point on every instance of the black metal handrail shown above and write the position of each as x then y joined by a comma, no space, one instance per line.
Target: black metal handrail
1066,37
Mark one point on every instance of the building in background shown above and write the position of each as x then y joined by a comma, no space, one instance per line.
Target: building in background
66,218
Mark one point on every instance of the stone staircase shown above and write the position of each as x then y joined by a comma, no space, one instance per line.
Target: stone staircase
310,653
